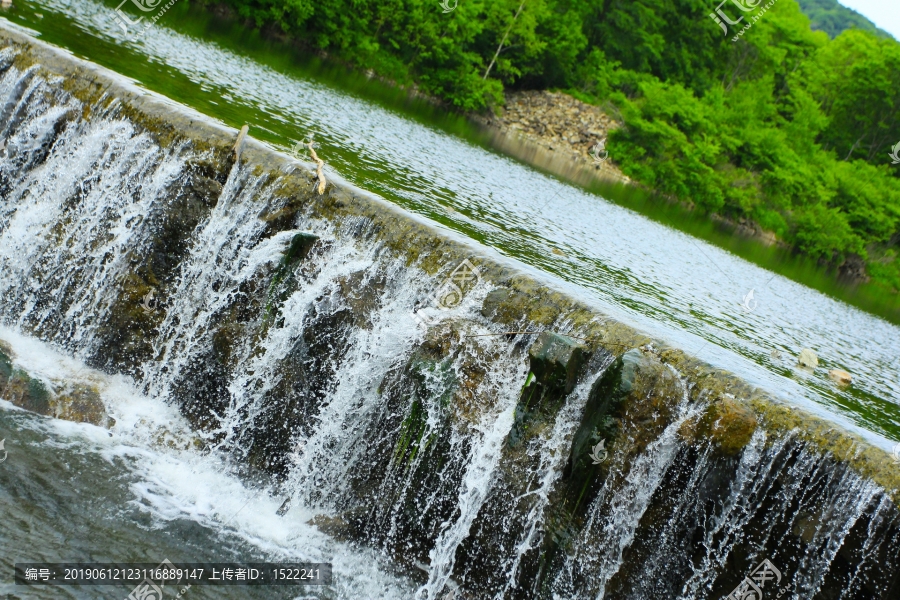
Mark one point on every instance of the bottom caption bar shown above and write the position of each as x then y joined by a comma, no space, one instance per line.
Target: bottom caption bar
151,578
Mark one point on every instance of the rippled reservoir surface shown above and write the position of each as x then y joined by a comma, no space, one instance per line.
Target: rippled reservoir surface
664,282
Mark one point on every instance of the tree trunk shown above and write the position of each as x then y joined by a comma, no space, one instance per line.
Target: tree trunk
503,41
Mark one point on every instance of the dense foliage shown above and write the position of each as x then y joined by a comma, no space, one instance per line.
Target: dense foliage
777,125
833,18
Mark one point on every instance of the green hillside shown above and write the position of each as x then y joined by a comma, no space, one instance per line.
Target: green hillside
833,18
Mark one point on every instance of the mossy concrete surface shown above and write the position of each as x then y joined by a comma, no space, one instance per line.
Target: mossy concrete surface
516,300
727,422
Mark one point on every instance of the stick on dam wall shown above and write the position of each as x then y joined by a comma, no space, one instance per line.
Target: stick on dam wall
492,436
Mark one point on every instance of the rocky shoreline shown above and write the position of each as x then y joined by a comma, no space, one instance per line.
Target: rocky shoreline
560,124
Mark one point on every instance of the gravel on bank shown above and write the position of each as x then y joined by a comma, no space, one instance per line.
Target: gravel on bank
562,124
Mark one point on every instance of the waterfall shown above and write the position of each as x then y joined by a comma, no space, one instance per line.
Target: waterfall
615,515
288,340
553,454
221,258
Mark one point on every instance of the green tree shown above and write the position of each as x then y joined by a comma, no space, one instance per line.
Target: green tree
856,80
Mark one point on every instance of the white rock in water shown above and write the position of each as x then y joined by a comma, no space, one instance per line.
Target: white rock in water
840,377
808,359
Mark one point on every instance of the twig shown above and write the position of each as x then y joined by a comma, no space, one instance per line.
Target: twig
255,496
518,332
319,165
503,41
240,142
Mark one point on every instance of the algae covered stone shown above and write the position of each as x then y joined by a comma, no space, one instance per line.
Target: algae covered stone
728,423
82,404
556,360
26,392
78,403
299,248
631,360
5,362
19,387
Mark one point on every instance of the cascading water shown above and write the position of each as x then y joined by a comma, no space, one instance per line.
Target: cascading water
618,508
473,460
552,458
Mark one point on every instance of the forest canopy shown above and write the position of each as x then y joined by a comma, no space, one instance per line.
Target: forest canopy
773,123
834,18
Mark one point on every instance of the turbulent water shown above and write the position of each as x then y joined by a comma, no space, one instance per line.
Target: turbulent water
73,491
409,456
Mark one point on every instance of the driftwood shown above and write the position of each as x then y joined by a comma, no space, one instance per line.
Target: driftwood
319,164
240,142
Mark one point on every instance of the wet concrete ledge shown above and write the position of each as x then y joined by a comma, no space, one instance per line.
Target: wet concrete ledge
527,301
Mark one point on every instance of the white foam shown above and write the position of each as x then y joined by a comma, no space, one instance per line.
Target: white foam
173,481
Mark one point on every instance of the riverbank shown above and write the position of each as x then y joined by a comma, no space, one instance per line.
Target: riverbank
557,133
